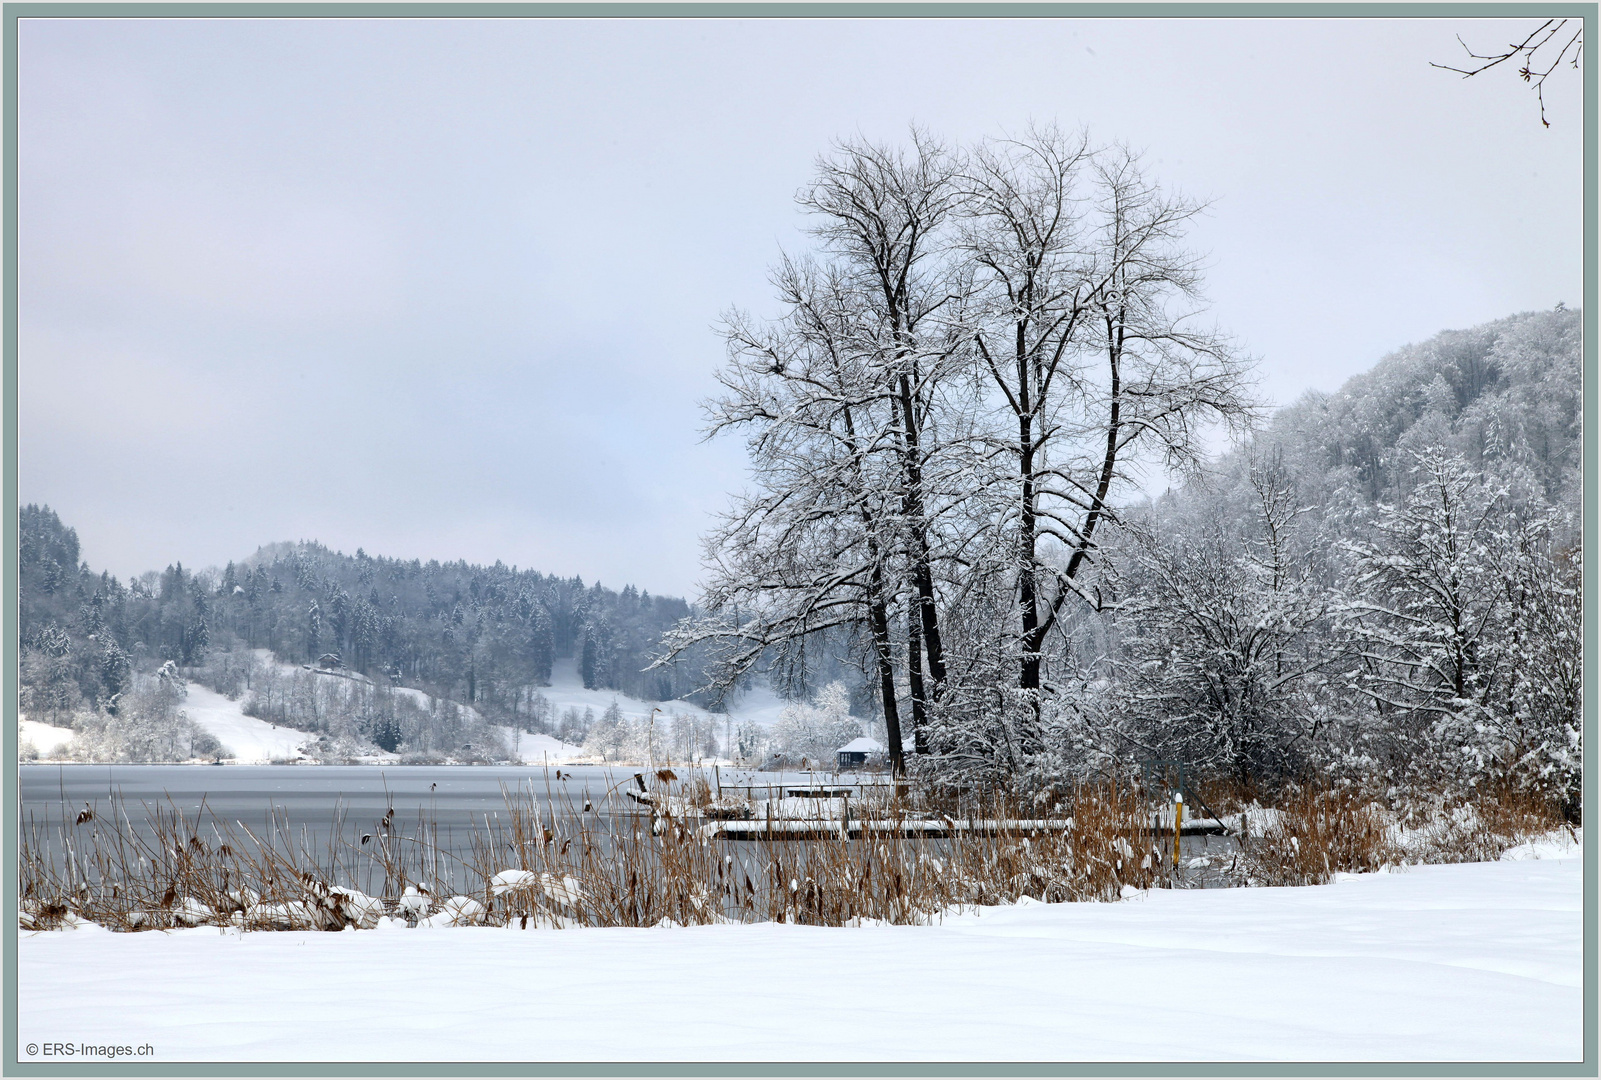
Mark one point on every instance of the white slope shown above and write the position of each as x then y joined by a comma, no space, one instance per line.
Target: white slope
529,748
566,690
535,749
426,700
758,704
1474,962
46,738
248,740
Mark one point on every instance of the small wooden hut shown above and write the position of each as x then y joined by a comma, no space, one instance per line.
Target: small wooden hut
855,753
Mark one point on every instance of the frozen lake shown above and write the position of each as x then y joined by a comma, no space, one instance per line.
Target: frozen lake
459,801
300,807
455,797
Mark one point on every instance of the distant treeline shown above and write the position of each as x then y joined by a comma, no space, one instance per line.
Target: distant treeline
482,635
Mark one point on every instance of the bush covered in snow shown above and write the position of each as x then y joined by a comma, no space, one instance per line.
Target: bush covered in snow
148,725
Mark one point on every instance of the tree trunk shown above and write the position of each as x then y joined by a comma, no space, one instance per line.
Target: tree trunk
1028,678
922,574
914,676
878,616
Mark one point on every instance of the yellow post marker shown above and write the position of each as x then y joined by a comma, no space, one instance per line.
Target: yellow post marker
1178,823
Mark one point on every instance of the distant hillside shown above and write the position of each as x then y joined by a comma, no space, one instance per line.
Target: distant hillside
483,635
1505,394
1382,584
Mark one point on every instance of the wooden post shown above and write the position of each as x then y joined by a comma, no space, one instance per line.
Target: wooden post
1178,823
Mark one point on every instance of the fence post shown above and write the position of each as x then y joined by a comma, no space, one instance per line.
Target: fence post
1178,823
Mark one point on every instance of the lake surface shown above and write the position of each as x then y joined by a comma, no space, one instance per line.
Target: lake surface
308,800
306,806
456,797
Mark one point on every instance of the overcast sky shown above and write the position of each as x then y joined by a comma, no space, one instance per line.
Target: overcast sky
448,289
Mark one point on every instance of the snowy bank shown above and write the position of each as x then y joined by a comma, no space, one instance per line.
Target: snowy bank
1470,962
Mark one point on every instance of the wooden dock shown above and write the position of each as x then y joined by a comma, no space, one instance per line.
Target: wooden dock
928,829
857,828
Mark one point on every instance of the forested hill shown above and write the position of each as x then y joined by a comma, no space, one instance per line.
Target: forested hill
478,634
1505,396
1384,583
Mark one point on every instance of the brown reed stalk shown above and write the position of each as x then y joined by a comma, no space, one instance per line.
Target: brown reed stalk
601,860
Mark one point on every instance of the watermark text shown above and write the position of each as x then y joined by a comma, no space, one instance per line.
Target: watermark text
108,1051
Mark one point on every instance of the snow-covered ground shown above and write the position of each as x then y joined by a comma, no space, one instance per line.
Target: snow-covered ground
249,741
566,690
536,749
1475,962
46,738
225,719
252,740
758,704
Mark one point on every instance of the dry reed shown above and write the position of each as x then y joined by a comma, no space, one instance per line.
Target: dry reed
1320,830
554,862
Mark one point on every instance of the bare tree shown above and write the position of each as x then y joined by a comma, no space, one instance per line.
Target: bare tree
1085,345
940,421
880,211
1550,45
810,549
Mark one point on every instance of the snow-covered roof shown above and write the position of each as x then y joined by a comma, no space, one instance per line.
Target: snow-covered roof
864,745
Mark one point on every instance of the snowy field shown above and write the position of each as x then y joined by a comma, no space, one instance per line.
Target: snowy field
249,741
46,738
566,690
1475,962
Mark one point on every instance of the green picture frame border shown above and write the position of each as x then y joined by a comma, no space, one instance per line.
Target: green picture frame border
10,1062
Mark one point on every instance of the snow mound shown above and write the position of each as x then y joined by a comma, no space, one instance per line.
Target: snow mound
457,911
507,880
1560,844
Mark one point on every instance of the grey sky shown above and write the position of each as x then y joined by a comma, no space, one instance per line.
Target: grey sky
447,289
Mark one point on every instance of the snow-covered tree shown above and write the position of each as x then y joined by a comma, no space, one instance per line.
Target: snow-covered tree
1087,363
814,731
1533,734
1430,598
813,547
1468,609
1228,637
